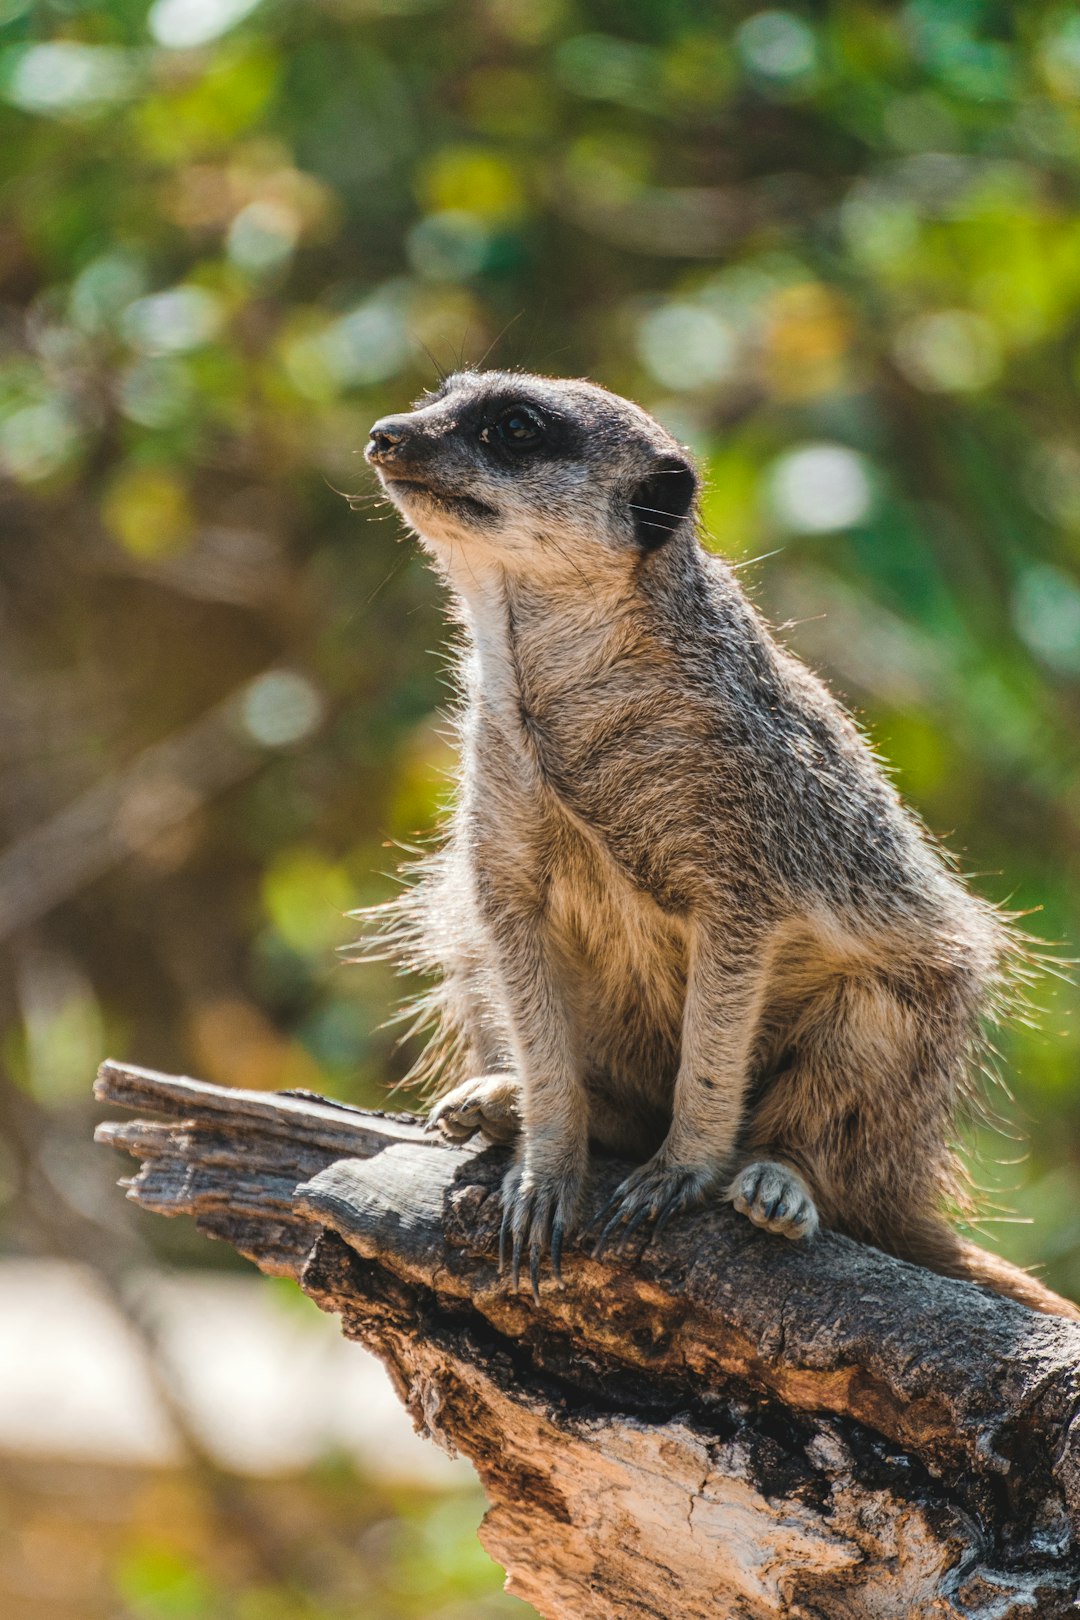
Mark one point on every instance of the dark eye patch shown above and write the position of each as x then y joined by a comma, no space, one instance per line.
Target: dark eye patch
519,429
514,430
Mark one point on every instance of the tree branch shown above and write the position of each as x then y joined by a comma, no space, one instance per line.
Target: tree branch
721,1423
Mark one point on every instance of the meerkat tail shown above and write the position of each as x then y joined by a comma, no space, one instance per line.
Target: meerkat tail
940,1249
980,1266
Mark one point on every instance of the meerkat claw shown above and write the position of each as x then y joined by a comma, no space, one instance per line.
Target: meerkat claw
504,1231
558,1232
601,1214
538,1214
601,1242
653,1192
646,1212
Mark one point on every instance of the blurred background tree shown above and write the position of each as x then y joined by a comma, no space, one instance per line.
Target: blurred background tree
835,248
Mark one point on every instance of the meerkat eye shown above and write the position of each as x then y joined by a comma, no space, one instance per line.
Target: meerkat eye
516,429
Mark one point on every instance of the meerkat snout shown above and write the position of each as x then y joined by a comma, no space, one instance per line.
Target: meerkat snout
385,438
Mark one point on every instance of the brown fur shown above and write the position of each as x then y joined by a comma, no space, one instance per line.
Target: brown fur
680,910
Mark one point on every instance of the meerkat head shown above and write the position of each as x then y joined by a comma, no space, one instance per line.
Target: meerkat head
523,469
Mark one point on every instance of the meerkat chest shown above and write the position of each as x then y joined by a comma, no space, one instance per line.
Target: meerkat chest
606,924
571,725
590,824
590,756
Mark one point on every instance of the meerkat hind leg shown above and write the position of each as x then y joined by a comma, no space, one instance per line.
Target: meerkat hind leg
489,1104
775,1197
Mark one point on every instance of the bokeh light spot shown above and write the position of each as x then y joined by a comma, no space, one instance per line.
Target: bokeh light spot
263,236
919,121
66,77
685,346
473,181
778,45
448,246
820,487
1059,54
155,392
1052,483
183,24
807,331
147,510
606,69
948,351
306,896
1046,611
172,321
367,345
101,292
37,441
880,224
62,1021
281,707
527,24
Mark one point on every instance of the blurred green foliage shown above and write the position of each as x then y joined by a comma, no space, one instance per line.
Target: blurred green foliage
417,1558
836,248
91,1542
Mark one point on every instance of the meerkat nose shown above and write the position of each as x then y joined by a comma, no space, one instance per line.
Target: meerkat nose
384,439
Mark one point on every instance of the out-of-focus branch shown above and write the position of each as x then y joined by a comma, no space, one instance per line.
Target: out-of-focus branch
127,811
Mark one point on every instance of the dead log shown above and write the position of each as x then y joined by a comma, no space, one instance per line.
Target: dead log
717,1424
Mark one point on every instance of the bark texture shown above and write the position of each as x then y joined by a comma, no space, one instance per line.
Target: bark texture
716,1424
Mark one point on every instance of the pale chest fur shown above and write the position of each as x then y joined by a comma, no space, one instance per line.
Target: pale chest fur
534,737
575,721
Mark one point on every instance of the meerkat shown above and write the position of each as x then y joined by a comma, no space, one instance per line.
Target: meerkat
679,911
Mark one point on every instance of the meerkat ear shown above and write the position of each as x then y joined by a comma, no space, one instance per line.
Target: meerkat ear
661,501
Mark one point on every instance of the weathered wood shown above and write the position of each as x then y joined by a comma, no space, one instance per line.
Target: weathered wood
717,1424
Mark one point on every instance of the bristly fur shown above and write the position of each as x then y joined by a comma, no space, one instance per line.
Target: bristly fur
679,909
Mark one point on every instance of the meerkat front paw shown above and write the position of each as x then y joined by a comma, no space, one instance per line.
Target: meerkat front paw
539,1213
653,1192
489,1104
775,1197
